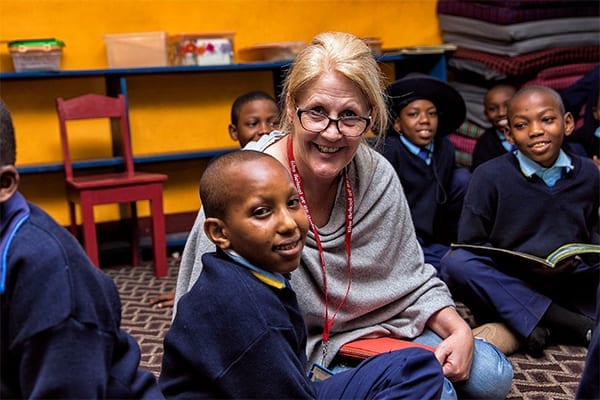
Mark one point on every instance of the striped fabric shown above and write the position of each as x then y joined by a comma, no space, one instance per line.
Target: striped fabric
462,143
463,148
463,159
531,63
511,12
470,130
558,83
566,70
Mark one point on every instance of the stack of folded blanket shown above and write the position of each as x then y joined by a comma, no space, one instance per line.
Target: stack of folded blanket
523,42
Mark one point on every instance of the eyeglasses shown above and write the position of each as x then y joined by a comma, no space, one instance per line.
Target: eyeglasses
316,122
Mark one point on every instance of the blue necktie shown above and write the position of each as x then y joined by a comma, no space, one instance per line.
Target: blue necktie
424,154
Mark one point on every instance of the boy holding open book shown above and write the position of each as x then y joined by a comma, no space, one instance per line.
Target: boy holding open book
532,200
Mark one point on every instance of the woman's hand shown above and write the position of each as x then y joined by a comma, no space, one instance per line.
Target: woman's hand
455,352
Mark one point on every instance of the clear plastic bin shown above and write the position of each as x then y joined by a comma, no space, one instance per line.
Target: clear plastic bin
214,48
143,49
36,54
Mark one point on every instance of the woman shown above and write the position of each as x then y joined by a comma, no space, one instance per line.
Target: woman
356,279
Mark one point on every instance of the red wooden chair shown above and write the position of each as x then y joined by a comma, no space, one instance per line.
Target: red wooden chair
126,186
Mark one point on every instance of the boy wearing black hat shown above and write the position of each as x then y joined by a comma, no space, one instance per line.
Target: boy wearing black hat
424,110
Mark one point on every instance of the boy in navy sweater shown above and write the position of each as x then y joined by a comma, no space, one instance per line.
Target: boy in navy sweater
59,335
424,111
239,333
253,114
533,200
493,142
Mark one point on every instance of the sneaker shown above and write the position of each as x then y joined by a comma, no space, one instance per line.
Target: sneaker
499,335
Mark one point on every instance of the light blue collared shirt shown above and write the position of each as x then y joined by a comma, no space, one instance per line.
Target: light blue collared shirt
549,175
274,279
505,143
413,148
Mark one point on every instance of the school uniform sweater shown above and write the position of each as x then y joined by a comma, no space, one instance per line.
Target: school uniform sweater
232,325
426,187
60,333
488,146
506,209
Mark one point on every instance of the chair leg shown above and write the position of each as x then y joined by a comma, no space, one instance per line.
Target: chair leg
73,219
135,236
90,241
159,245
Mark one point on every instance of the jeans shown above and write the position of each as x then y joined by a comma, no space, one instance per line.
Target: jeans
491,372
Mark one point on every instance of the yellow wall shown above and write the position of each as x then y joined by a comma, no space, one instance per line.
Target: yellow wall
172,112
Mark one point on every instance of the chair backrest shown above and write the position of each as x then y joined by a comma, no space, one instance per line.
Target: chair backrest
94,106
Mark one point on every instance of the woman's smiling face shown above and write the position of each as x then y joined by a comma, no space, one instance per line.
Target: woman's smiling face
323,155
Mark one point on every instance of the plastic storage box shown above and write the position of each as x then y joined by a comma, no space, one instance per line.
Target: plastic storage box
143,49
277,51
201,48
36,54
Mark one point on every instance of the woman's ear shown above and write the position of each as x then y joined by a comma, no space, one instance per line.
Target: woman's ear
216,231
9,182
289,109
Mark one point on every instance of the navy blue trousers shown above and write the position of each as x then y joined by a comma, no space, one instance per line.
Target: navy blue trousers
404,374
522,301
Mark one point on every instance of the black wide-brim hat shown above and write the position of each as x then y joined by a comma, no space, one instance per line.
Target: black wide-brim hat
449,103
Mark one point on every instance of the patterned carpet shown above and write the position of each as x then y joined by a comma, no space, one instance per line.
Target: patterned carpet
554,376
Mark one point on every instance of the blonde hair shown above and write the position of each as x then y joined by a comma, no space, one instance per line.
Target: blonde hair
348,55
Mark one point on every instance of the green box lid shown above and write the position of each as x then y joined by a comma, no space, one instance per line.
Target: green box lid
36,43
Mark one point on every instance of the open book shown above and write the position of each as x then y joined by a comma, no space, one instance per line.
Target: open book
554,262
364,348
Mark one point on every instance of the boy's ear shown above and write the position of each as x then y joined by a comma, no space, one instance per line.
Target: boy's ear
508,134
569,123
9,182
233,132
397,126
215,230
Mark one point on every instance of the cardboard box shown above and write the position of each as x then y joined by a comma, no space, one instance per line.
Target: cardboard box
36,54
201,48
142,49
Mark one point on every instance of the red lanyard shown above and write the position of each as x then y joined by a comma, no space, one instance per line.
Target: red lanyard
328,322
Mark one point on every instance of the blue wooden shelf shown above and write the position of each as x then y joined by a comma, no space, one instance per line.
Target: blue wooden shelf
115,161
437,69
113,72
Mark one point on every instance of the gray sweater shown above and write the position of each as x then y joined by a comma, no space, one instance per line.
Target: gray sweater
393,292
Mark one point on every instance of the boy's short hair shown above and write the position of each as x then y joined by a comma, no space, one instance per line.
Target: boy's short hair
538,88
7,137
215,189
246,98
499,86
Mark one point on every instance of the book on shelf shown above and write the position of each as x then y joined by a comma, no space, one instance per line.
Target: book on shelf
556,261
364,348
